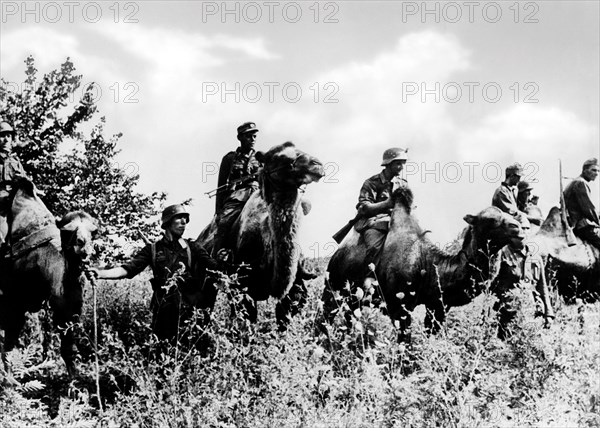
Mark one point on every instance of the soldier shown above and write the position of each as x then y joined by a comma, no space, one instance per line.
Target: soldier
10,169
525,204
237,181
518,264
375,203
179,267
583,217
505,196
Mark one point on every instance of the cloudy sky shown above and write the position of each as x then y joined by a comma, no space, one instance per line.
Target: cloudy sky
468,87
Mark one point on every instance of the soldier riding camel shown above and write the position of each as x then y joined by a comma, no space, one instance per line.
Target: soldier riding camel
505,196
583,216
375,203
10,169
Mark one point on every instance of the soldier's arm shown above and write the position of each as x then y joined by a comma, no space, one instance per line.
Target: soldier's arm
137,264
224,170
504,202
586,206
367,207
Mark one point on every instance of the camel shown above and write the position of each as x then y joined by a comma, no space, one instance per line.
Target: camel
581,260
46,264
413,271
265,235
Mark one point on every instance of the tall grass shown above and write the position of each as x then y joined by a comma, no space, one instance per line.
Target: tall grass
354,375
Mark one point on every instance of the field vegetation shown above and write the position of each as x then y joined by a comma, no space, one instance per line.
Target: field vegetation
243,375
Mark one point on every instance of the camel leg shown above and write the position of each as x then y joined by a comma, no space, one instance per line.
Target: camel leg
402,318
66,310
13,319
331,305
434,317
291,304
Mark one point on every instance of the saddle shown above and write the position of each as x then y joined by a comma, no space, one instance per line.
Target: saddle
30,223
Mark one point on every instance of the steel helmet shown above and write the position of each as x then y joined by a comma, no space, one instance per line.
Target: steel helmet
170,212
395,153
6,128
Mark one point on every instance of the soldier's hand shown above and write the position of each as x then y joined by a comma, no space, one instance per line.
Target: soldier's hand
223,255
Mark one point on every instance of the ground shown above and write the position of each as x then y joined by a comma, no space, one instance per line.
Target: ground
351,376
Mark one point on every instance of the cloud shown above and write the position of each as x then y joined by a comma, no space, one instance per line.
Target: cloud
49,47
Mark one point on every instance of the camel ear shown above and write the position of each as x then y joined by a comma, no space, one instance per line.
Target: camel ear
471,219
260,156
69,227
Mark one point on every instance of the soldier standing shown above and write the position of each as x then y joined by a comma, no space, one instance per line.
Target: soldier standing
179,267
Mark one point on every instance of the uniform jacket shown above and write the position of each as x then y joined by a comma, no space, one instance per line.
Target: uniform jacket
376,189
167,258
581,209
505,198
235,165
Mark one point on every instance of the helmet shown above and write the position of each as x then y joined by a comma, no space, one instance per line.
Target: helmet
515,169
6,128
170,212
395,153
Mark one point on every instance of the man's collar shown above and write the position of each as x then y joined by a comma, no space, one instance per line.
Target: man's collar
239,151
181,241
382,177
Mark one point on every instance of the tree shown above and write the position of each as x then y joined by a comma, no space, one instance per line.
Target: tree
45,115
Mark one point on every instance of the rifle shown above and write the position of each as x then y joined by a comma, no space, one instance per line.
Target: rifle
341,234
563,211
216,191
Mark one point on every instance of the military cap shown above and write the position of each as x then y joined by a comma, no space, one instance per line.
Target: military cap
395,153
5,128
170,212
524,186
590,162
515,169
247,127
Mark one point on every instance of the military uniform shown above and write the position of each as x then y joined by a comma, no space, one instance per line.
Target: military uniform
505,198
165,257
583,217
513,267
10,169
377,189
232,198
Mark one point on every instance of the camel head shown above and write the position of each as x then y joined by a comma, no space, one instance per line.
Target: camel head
403,196
494,226
77,233
286,169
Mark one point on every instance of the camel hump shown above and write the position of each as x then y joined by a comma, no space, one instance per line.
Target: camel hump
25,185
552,222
